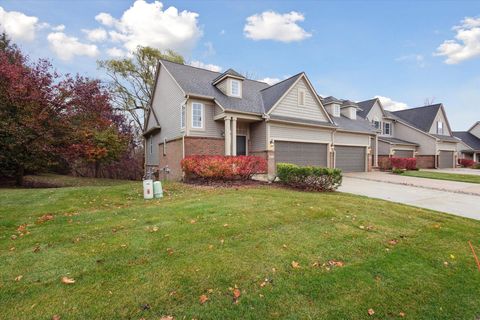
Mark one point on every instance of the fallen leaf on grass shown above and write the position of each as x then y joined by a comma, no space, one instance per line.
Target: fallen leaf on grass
236,295
193,221
222,242
67,280
166,318
45,218
295,265
12,249
18,278
393,242
13,237
402,314
170,251
203,298
371,312
225,225
123,245
445,263
284,246
56,317
452,256
36,249
335,263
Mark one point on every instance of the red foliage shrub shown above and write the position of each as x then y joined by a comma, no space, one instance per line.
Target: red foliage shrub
404,163
466,163
222,167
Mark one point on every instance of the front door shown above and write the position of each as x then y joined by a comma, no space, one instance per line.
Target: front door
241,145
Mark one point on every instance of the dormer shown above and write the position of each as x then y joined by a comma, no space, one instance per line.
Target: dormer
332,105
349,109
230,83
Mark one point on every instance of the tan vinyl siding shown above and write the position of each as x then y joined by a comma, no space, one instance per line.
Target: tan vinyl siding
298,133
288,106
440,117
211,128
383,148
166,102
218,110
352,139
375,113
476,130
427,144
258,136
222,86
447,146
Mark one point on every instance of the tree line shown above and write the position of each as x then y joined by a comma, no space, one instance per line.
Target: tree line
74,124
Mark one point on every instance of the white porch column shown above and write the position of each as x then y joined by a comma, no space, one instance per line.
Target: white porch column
234,136
375,163
475,157
228,137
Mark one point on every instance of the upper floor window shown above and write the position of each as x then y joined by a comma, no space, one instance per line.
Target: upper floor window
235,88
183,113
151,145
336,110
301,97
197,115
376,124
439,127
387,128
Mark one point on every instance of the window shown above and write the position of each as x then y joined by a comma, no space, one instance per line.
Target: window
235,88
301,97
376,124
387,128
439,127
151,145
182,116
197,115
336,110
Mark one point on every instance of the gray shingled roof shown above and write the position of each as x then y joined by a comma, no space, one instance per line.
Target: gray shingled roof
421,117
229,72
271,94
199,81
359,125
300,120
331,99
397,141
366,106
445,138
468,138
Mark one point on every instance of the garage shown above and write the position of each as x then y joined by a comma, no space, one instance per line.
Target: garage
350,159
446,159
301,153
404,153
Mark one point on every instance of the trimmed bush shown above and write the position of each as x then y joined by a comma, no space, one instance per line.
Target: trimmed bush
309,178
404,163
398,171
222,167
384,164
466,163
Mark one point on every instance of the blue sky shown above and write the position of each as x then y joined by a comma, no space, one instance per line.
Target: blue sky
350,49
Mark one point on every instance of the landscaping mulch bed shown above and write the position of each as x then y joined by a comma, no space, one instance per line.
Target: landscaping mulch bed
226,183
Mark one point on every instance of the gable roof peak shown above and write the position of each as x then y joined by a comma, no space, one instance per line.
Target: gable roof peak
229,73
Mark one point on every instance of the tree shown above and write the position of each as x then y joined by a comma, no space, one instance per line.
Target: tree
31,125
98,135
132,80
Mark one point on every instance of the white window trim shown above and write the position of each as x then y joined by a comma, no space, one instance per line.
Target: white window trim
183,116
202,115
336,110
389,129
300,93
438,127
151,145
232,81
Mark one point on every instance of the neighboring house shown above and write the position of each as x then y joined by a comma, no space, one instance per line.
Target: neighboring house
469,147
422,132
197,111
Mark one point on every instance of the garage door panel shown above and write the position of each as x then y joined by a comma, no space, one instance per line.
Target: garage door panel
445,159
301,153
350,159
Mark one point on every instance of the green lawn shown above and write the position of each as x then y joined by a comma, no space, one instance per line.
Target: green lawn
136,259
444,176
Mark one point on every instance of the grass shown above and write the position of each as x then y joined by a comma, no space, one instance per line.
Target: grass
207,241
444,176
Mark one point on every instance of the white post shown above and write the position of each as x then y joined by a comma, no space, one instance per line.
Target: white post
228,137
234,136
375,163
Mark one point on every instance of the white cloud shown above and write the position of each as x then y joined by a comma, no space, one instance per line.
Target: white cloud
17,25
270,81
96,35
116,52
417,58
147,24
202,65
270,25
67,47
466,44
60,27
210,50
392,105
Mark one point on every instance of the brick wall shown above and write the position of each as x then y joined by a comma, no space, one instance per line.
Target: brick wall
425,162
172,158
204,146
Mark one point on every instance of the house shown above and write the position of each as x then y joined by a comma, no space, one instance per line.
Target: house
469,147
423,133
197,111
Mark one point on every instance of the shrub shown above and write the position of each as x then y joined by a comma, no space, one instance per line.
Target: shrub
404,163
398,171
384,164
222,167
466,163
309,178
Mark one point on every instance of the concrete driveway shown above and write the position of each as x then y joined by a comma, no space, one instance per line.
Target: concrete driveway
453,202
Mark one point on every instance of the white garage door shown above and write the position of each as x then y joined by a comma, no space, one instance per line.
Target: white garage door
350,159
301,153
